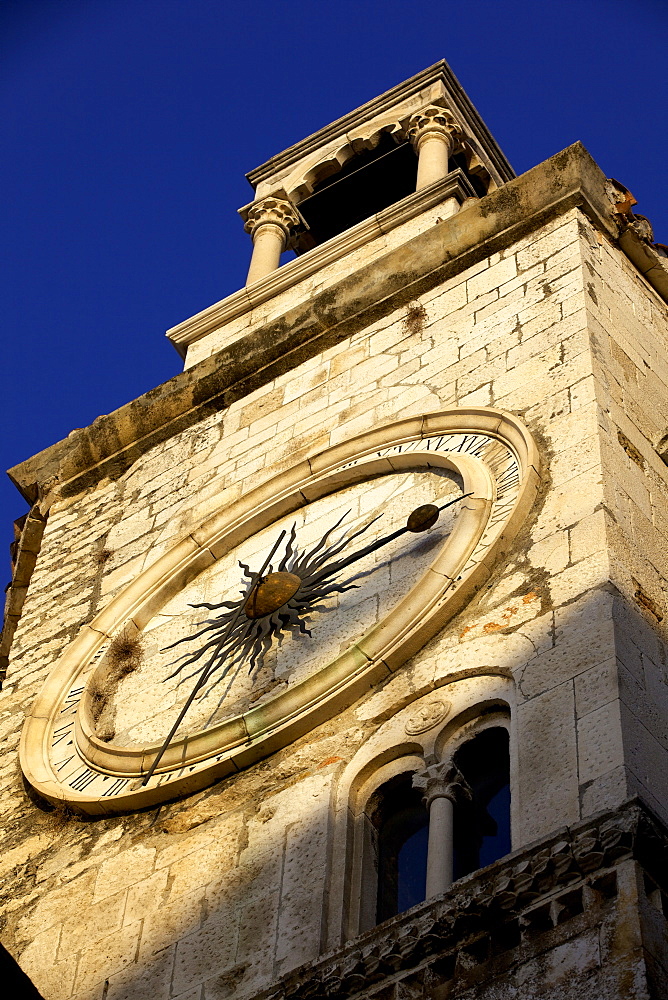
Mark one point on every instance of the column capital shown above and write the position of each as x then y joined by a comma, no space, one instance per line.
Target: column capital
432,121
271,211
443,781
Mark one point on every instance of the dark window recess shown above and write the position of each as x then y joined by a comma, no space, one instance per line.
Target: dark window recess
482,827
17,984
369,182
478,185
402,823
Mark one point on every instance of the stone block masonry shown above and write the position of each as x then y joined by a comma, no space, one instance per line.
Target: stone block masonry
220,894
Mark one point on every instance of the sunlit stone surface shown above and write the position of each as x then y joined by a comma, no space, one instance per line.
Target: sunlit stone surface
539,298
146,703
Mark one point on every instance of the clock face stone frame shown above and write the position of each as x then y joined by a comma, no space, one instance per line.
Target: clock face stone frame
496,457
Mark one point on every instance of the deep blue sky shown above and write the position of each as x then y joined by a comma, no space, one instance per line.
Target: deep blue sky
127,127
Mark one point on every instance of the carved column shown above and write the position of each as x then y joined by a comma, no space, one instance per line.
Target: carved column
443,785
432,132
270,223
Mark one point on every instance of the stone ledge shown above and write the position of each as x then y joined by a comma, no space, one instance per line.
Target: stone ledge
570,178
24,564
112,443
456,185
532,891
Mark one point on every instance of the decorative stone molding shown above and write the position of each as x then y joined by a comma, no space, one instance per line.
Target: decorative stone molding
270,223
571,874
432,121
270,212
324,163
442,781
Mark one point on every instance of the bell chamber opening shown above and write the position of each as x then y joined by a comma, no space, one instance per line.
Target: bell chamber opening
482,824
403,830
368,182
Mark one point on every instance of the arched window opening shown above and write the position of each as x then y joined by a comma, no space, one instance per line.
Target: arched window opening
368,182
420,828
401,821
482,823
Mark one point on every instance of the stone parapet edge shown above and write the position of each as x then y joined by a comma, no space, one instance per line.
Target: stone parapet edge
110,445
455,184
483,902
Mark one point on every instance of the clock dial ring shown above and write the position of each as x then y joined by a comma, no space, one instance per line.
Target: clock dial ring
475,442
227,736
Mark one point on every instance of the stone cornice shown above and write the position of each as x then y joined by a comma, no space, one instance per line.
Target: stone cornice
440,72
456,184
24,563
113,442
651,264
486,902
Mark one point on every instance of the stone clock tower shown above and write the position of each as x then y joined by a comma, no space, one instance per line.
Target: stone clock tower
336,665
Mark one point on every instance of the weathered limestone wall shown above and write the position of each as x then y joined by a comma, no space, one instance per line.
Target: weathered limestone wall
324,278
230,888
628,325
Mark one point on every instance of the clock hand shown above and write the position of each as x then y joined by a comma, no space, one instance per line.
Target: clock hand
421,519
281,599
210,664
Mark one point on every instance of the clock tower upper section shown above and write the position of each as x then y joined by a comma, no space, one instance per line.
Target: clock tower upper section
363,184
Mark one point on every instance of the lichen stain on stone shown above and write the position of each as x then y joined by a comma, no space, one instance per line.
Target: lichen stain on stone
505,618
124,656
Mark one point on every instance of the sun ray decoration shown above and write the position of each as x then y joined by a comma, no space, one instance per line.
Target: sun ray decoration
232,638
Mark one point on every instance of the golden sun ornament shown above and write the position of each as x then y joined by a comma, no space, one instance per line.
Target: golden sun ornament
281,602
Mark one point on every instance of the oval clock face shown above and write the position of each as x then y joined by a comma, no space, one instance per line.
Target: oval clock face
279,611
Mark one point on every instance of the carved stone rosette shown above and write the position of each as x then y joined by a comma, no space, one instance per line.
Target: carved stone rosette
427,716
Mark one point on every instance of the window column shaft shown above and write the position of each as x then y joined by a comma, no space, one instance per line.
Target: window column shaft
432,132
440,849
268,245
271,223
433,156
443,785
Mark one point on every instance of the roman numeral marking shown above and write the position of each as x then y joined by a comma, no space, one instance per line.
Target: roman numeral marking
511,473
61,733
83,780
72,700
63,763
500,514
508,487
117,786
100,653
439,443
